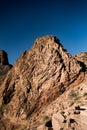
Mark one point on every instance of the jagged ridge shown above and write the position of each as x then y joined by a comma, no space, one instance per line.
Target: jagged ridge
38,77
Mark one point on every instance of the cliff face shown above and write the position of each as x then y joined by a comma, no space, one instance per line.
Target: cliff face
4,65
3,58
38,77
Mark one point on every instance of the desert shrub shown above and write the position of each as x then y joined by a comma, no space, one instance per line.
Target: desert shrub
46,118
2,107
48,121
73,94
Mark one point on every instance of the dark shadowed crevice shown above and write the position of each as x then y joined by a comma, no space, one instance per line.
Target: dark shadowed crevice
48,123
8,94
83,66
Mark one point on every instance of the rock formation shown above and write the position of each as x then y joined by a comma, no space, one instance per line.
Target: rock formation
4,65
37,78
69,111
3,58
82,57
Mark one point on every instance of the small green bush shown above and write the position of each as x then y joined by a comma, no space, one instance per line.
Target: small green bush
47,118
2,107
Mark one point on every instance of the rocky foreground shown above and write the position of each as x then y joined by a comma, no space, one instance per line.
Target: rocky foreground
45,89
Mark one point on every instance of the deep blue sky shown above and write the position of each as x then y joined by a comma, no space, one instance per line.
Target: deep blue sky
22,21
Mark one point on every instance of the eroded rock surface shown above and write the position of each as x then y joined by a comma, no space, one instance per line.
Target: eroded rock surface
82,57
69,111
39,77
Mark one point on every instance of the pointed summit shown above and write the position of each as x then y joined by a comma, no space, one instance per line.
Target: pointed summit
37,78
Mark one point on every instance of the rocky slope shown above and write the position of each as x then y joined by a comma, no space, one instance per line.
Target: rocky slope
37,79
68,112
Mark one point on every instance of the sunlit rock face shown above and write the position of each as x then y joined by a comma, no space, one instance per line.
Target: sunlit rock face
38,77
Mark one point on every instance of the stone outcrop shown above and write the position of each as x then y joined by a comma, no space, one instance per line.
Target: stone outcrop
38,77
4,65
3,58
82,57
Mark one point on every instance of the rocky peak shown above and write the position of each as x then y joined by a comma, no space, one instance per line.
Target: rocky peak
38,77
3,58
50,44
